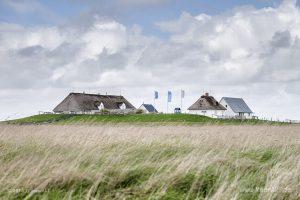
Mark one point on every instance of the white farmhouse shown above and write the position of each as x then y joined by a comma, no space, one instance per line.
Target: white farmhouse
207,106
236,107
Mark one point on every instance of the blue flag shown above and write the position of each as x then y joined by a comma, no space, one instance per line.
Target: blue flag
155,95
169,96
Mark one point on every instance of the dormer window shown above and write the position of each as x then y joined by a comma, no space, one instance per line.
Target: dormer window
122,106
101,106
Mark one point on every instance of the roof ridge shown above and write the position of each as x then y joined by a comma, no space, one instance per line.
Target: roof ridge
232,97
89,94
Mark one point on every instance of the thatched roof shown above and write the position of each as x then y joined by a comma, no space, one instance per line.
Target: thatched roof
76,102
206,102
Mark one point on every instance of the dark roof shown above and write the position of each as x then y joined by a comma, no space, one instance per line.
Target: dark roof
77,102
149,107
206,102
238,105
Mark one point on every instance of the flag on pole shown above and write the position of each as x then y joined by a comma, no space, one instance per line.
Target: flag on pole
169,96
182,94
155,95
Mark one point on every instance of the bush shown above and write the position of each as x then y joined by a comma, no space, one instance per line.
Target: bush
139,111
105,112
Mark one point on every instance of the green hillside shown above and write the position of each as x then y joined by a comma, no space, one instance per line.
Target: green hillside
134,118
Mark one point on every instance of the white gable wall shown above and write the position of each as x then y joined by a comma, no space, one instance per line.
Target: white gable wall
228,112
142,107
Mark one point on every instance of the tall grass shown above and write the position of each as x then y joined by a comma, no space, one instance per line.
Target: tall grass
149,162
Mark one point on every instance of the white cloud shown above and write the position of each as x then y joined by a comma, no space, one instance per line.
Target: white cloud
17,37
248,52
108,35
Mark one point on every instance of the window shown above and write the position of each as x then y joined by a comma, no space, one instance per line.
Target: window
101,106
122,106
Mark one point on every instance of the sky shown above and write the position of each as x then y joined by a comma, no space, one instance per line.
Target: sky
236,48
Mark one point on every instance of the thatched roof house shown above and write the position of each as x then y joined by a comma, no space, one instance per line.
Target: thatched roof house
207,105
81,103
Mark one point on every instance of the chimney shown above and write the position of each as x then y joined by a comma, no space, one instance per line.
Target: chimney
207,94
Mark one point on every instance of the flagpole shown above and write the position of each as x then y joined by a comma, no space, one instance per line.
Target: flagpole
155,97
167,106
181,99
168,102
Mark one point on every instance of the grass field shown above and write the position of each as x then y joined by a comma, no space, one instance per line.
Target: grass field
134,118
125,161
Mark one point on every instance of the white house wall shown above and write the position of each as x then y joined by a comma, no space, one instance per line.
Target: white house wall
208,113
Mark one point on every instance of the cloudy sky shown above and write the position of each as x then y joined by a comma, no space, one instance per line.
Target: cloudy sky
236,48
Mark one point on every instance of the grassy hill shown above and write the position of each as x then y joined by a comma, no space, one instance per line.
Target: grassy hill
134,118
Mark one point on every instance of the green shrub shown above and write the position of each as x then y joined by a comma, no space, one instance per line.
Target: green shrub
139,111
104,111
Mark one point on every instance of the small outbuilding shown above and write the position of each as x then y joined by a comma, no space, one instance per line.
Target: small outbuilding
148,108
81,103
207,105
177,110
236,108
